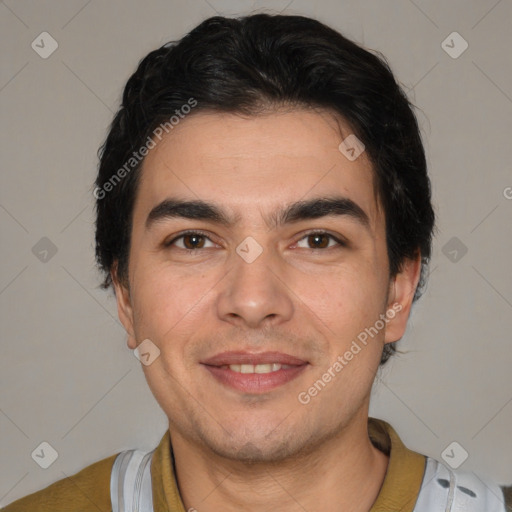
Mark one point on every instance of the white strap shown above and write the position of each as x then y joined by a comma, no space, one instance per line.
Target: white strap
130,482
446,490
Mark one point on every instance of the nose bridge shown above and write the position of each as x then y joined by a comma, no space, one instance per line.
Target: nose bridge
252,262
253,290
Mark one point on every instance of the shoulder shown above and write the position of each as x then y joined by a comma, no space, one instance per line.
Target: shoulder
88,489
444,488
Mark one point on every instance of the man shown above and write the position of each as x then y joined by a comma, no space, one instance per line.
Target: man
264,217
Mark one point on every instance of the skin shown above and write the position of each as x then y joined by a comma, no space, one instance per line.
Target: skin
242,451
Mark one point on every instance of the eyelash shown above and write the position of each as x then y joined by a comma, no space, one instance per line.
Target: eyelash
169,244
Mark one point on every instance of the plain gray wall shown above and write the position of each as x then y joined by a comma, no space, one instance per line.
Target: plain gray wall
67,375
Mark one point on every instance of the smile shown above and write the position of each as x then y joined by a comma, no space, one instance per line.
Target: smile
255,379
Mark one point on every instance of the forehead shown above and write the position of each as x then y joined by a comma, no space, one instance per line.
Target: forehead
248,163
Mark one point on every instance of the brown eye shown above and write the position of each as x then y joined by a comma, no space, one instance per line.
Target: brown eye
321,240
193,241
189,241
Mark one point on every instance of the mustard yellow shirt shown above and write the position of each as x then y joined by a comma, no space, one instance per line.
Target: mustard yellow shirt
89,490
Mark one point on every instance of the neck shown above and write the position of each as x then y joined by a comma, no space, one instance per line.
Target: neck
344,473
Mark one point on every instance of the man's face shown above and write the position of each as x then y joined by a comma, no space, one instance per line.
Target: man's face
234,292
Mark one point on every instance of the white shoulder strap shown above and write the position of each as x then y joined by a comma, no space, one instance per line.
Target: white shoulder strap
447,490
130,482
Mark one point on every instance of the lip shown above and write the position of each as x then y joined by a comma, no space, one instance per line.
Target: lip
254,382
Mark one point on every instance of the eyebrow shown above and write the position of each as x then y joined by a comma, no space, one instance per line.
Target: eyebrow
295,212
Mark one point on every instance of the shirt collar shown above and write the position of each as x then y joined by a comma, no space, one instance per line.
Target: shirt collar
404,475
399,490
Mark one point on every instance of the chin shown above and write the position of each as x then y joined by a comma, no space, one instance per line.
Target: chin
256,451
266,443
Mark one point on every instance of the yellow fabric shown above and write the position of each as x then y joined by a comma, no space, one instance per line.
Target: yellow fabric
89,490
405,471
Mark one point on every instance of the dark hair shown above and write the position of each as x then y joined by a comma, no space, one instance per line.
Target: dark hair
250,65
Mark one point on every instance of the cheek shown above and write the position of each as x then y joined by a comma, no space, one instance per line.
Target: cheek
350,293
349,303
161,297
169,310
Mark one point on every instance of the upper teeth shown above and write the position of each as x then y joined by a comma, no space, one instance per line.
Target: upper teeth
257,368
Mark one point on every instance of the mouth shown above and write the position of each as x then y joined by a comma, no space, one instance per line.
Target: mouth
254,373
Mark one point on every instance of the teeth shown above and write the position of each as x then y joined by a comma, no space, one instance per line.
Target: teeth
258,368
246,368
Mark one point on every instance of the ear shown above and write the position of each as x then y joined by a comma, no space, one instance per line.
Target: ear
124,306
400,296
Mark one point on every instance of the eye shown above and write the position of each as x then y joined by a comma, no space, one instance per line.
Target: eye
194,240
191,241
320,240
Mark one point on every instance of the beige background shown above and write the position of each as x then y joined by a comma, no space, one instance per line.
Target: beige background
67,376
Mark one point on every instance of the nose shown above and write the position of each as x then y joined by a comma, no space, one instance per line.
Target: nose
255,293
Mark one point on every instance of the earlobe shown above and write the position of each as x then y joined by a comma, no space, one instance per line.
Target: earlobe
401,297
124,307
